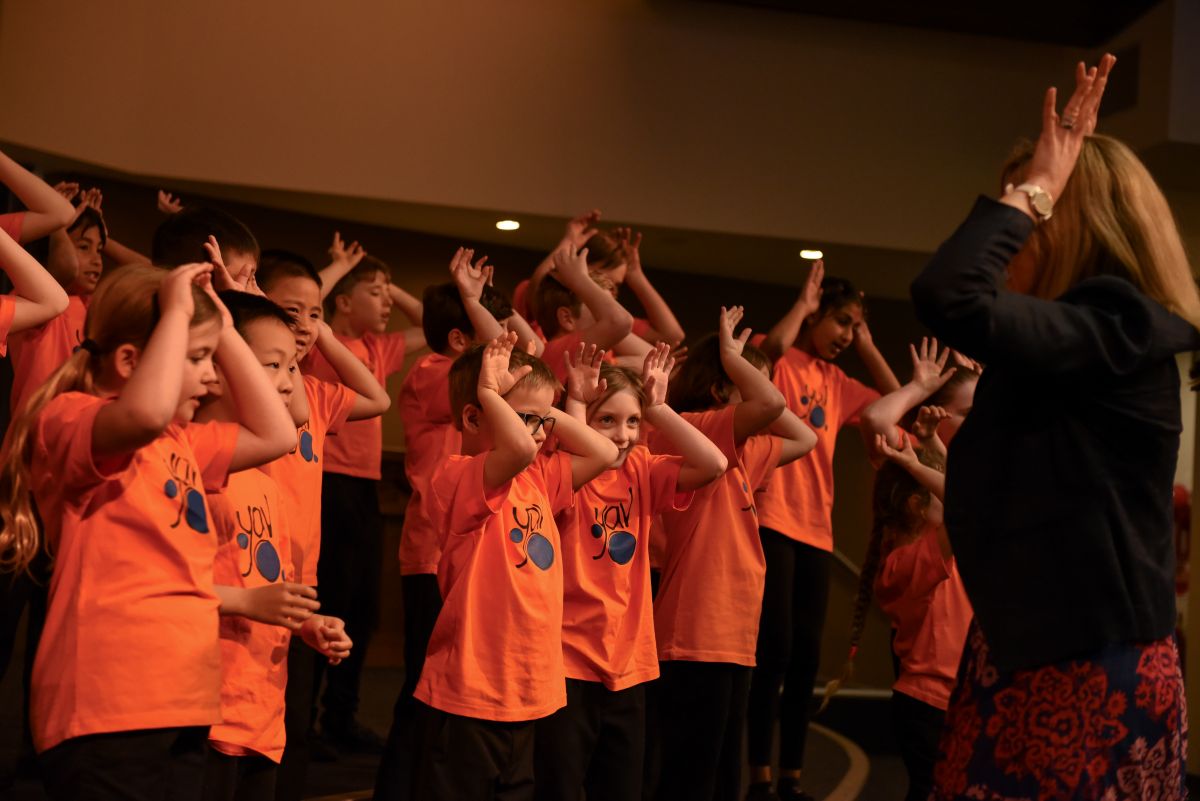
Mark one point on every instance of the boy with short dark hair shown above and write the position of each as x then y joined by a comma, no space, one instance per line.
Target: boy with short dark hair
494,663
180,239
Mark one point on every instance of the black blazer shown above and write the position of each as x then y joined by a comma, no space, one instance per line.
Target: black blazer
1059,483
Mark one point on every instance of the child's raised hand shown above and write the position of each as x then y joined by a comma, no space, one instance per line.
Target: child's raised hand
568,264
904,456
811,294
581,228
584,383
340,253
928,420
327,636
494,373
92,197
730,344
222,309
630,242
175,291
966,362
68,189
470,278
281,604
168,203
656,373
929,366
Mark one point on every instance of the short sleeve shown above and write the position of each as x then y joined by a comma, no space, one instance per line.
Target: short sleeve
392,347
431,383
213,444
520,299
560,486
8,307
461,503
855,396
63,444
718,427
553,355
914,569
12,224
641,327
760,457
665,495
333,402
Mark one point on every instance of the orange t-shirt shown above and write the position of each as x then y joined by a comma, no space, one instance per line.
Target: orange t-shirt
252,551
357,448
557,348
131,629
608,610
298,473
11,224
496,650
430,438
38,352
923,595
710,596
798,502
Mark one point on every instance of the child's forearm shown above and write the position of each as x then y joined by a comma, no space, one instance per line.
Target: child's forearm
47,209
927,477
411,307
591,452
783,334
881,374
798,438
513,448
486,326
657,310
525,335
335,271
882,416
762,402
372,399
266,422
613,321
299,404
541,271
38,296
703,461
121,255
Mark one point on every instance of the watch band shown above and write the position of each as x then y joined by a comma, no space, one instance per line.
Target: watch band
1039,199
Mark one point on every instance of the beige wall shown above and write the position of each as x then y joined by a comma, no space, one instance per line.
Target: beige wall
692,115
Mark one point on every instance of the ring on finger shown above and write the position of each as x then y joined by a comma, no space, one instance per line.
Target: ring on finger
1068,122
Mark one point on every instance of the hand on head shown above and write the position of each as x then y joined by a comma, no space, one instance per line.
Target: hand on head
731,344
470,278
494,373
656,373
584,383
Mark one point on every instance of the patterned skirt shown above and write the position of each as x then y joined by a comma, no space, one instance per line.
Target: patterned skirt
1110,728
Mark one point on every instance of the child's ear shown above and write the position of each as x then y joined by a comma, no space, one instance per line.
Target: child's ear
125,360
458,341
566,320
471,418
341,304
916,507
719,393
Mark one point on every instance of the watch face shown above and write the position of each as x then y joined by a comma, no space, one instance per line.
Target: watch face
1041,202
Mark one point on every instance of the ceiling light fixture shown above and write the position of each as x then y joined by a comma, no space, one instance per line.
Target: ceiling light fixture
508,225
811,255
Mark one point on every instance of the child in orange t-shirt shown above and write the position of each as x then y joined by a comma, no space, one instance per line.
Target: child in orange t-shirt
252,518
795,517
597,741
910,570
127,678
358,296
495,660
319,409
707,607
456,314
575,306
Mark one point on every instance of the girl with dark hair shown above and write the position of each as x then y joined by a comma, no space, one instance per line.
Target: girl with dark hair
796,517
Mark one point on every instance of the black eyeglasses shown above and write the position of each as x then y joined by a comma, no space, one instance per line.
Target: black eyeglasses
535,422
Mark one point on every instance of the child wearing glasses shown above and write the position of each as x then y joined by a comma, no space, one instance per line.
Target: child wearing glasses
494,663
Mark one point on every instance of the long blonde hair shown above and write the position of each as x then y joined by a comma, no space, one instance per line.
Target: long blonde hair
1110,211
123,310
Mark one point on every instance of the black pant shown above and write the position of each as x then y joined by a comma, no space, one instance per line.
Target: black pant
238,778
27,589
297,721
595,743
703,707
917,727
789,648
467,759
349,576
147,765
422,604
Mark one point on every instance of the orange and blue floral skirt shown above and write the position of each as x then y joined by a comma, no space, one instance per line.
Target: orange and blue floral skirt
1110,728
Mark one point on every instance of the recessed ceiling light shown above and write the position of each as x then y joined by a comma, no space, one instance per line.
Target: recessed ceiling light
508,225
811,255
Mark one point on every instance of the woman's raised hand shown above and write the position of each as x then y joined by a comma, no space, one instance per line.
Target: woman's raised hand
1062,136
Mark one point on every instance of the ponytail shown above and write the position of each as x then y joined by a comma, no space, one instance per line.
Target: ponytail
20,537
